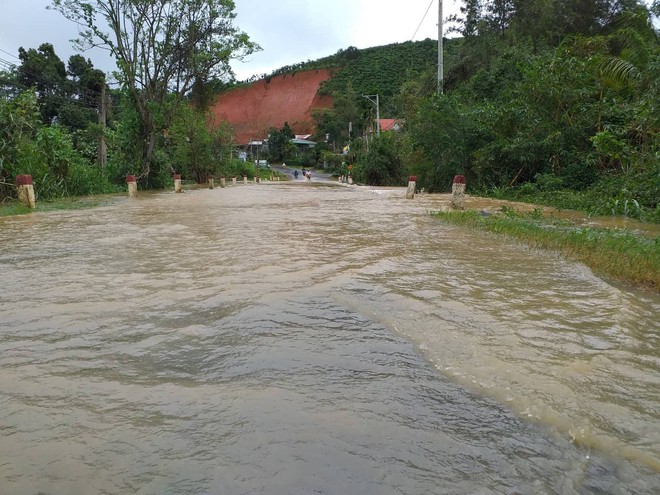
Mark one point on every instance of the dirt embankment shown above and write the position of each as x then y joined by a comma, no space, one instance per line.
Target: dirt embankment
271,102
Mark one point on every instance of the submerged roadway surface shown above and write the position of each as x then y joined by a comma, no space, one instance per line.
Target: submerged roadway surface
298,338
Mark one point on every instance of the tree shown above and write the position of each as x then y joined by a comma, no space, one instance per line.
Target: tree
83,91
192,144
381,164
279,143
162,47
499,14
8,85
43,70
19,121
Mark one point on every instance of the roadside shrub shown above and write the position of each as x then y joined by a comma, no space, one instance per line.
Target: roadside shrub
548,182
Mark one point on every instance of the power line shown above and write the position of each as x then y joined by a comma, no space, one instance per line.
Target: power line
10,54
422,21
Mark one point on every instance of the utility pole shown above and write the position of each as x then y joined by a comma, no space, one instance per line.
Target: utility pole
440,74
102,151
377,103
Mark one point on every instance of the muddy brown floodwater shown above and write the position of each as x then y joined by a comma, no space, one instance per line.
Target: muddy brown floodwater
298,338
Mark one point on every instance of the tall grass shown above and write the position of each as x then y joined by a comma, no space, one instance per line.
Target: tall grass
618,254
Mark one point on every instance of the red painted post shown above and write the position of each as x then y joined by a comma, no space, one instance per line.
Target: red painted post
25,190
412,185
131,184
458,192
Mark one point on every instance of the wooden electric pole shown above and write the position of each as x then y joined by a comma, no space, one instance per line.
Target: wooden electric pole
102,152
440,74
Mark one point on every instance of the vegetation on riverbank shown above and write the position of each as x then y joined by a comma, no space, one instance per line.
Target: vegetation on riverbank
618,254
631,195
535,108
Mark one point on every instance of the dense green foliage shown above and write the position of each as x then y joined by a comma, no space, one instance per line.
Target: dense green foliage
280,147
162,49
51,122
44,151
555,101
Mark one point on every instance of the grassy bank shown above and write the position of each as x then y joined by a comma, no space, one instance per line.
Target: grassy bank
633,195
71,203
618,254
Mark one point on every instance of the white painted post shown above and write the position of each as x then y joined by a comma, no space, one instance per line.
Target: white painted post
233,181
177,183
245,180
211,183
223,183
26,190
412,184
458,193
131,183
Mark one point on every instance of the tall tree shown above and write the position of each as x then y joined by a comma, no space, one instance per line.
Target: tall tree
279,142
161,48
43,70
83,90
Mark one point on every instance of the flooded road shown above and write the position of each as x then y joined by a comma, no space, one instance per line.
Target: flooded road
303,338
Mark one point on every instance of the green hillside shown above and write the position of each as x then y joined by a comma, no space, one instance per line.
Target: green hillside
379,70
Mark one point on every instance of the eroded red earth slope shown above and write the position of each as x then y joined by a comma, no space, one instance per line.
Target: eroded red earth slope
291,98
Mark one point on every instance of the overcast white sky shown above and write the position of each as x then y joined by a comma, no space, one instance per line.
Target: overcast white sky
289,31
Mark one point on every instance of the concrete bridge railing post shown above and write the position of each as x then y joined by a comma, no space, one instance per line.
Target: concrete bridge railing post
25,190
458,193
412,185
131,184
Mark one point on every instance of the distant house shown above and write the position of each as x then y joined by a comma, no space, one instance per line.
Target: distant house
303,144
254,148
391,124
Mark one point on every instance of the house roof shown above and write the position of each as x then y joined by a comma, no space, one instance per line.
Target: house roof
303,142
390,124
